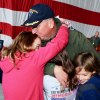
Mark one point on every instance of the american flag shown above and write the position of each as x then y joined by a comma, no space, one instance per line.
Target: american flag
84,15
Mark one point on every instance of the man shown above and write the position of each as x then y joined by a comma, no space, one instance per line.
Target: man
43,22
95,40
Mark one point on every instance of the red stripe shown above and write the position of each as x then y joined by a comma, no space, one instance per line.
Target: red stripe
12,30
74,13
17,5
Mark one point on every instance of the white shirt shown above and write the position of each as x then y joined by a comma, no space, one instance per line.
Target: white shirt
52,90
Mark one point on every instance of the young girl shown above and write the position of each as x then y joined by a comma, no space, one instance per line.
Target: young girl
87,71
53,90
23,66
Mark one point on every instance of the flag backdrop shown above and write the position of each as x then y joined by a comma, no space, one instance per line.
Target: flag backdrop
84,15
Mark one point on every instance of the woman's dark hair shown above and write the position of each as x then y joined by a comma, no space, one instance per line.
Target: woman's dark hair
63,60
88,61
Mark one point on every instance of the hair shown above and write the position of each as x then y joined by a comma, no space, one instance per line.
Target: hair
63,60
22,44
87,61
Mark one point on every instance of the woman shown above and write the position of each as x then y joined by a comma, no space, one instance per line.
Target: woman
23,66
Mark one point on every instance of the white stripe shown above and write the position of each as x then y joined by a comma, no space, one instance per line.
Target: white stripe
87,30
7,40
14,18
93,5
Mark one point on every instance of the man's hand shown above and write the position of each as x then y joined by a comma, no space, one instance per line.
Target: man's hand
60,75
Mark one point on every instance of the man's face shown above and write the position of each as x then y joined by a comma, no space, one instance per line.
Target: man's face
43,30
82,75
97,34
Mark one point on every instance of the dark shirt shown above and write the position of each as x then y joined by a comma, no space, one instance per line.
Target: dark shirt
95,41
90,90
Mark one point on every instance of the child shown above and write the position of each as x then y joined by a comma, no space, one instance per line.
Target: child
53,90
87,71
23,66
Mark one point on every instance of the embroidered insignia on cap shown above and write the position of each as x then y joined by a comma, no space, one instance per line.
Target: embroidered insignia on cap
28,24
31,12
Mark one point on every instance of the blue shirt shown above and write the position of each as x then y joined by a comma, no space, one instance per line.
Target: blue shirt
90,90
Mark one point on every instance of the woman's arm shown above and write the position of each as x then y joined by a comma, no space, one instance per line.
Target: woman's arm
44,54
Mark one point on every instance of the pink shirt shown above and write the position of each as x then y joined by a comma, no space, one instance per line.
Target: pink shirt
25,81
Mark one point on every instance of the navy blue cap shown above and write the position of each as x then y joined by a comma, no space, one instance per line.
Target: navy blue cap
37,14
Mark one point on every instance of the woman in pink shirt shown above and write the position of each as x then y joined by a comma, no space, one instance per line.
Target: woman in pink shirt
23,66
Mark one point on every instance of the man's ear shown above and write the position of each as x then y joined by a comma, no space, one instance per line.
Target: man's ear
34,30
51,23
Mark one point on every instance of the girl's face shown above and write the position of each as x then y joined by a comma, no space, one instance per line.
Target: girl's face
82,75
36,44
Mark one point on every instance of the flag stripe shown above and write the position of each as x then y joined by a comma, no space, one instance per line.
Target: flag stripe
17,5
87,30
12,30
7,40
18,16
76,14
92,5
